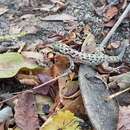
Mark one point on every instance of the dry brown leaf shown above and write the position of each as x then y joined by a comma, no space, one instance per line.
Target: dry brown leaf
72,75
69,38
61,64
122,80
110,13
58,1
2,126
114,45
124,118
27,16
25,112
70,89
50,88
39,57
76,106
87,29
45,7
14,29
89,44
59,17
69,95
30,82
51,7
32,54
28,23
3,9
110,23
28,79
31,29
27,3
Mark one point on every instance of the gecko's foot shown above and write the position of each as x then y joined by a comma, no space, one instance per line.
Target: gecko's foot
71,67
115,70
71,64
99,49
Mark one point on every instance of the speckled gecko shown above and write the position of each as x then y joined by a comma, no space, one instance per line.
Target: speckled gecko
94,59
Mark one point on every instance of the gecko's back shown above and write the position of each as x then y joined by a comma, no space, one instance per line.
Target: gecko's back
93,59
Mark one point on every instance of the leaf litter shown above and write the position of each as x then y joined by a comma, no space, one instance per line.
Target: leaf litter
51,96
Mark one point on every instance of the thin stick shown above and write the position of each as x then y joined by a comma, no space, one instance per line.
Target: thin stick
56,78
116,94
8,99
111,32
39,86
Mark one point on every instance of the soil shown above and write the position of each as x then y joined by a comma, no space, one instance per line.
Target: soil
82,9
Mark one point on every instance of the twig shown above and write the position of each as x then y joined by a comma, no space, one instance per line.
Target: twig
8,99
111,32
116,94
37,87
52,80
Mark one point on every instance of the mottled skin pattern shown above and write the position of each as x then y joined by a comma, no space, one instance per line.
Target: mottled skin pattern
93,59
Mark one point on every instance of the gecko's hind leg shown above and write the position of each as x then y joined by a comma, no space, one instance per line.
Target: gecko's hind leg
71,67
110,69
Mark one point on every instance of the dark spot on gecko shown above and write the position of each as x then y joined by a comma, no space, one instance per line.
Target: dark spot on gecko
82,55
66,50
74,54
83,58
90,61
93,58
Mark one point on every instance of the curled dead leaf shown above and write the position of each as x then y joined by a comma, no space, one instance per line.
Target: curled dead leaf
70,89
76,105
25,112
89,44
49,89
114,45
110,13
28,79
124,120
69,38
61,65
110,23
121,80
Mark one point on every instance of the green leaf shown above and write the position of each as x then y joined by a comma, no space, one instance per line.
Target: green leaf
12,62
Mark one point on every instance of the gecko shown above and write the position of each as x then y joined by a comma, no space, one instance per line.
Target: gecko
92,59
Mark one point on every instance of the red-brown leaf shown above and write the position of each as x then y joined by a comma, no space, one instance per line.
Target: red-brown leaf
25,114
111,13
124,118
